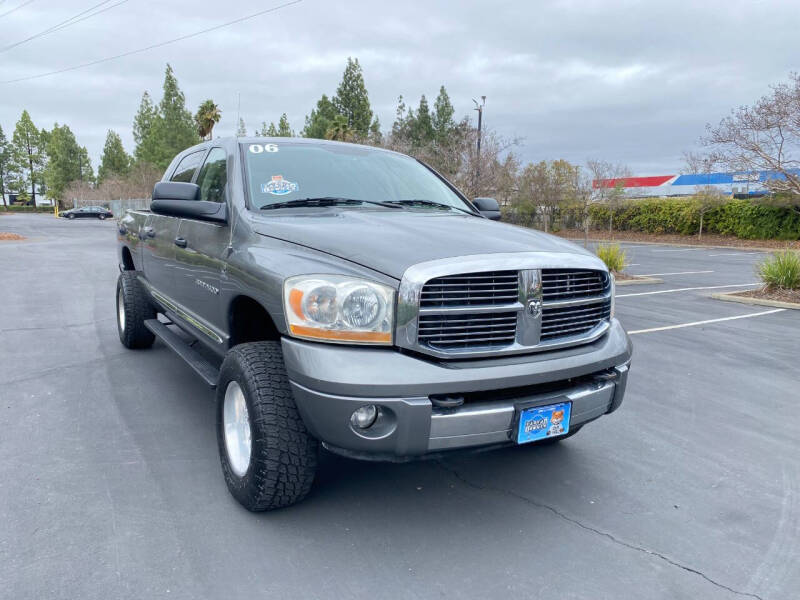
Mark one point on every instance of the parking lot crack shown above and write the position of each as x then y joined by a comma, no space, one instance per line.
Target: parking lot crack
508,493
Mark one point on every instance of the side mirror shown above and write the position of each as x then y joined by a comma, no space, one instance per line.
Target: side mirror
488,207
176,199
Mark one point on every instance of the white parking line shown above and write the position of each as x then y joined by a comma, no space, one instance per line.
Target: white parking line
738,254
689,289
681,250
678,273
695,323
632,265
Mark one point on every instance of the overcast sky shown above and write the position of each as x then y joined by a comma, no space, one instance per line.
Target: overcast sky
632,82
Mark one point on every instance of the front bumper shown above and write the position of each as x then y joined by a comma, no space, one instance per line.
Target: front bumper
330,382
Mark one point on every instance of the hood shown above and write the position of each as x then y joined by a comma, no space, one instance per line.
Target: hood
390,241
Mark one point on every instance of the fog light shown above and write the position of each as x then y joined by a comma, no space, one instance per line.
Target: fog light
364,417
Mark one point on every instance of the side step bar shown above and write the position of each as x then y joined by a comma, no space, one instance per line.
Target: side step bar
193,358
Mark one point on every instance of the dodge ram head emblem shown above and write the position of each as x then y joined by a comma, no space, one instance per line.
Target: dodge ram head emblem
534,308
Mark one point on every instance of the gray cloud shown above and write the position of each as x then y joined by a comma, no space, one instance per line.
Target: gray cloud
633,82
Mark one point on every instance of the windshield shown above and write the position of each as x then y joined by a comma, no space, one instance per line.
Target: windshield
282,172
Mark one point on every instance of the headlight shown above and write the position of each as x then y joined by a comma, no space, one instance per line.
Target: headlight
613,293
336,308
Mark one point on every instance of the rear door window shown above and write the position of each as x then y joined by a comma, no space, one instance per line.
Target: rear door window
213,176
184,172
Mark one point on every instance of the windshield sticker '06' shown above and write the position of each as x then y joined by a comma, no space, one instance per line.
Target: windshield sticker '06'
279,186
258,148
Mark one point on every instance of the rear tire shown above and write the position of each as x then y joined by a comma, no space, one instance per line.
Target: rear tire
70,216
277,467
133,309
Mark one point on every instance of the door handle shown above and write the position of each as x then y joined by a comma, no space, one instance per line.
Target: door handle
180,242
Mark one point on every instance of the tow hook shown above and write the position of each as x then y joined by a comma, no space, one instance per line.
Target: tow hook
442,401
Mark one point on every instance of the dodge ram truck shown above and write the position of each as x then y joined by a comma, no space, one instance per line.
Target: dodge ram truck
351,297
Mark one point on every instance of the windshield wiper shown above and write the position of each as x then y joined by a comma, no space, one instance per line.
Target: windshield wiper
421,202
324,201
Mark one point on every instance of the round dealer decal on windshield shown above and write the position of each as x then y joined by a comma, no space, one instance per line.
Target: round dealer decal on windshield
279,186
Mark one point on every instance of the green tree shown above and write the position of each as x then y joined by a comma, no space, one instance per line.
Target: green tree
5,160
320,119
284,129
114,161
267,130
208,115
27,157
352,100
442,118
422,127
172,129
403,121
142,124
241,129
67,162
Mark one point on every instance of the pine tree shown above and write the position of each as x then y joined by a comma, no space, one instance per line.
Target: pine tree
320,119
442,118
403,121
5,159
241,130
114,161
67,162
352,100
173,128
284,129
142,124
422,129
27,157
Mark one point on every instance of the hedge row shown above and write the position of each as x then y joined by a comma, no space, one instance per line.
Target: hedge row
23,208
746,219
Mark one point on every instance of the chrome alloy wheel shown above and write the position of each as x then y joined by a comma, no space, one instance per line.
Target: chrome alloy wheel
121,310
236,424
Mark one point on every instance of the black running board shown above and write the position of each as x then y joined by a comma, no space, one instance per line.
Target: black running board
193,358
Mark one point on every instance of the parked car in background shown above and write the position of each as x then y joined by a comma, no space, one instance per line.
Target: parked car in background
84,212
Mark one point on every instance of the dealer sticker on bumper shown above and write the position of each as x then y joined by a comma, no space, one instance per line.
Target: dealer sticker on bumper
540,422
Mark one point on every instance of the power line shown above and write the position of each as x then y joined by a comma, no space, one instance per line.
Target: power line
16,9
64,24
153,46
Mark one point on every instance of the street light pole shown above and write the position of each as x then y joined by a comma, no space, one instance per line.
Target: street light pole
479,108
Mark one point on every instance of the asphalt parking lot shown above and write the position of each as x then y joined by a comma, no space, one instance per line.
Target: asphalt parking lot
110,484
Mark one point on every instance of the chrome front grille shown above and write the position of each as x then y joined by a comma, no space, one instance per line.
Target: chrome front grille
471,289
563,284
460,309
450,332
564,321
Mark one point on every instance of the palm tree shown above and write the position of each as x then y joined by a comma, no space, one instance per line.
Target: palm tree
340,130
207,116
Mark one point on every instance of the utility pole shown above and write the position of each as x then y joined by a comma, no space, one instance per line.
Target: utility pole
479,108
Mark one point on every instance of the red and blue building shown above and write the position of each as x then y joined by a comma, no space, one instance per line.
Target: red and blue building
741,184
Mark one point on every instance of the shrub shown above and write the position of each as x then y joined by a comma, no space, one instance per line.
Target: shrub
614,256
746,219
781,270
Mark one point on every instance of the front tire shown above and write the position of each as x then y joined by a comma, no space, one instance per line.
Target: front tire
70,216
133,309
101,217
268,456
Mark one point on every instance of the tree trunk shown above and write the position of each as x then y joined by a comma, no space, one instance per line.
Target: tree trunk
700,235
586,230
610,221
33,182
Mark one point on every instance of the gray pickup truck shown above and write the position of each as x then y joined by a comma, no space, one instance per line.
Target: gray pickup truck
348,296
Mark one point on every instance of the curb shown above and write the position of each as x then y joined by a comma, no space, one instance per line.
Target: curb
699,246
756,301
638,281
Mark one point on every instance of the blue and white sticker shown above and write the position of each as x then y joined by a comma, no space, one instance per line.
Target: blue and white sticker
279,186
